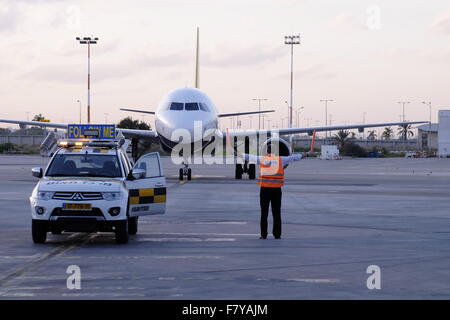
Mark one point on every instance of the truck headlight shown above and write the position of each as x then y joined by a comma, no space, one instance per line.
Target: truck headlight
110,196
44,195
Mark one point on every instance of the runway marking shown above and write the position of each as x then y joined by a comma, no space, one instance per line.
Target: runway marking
27,288
189,257
185,239
222,222
200,234
20,257
103,294
16,295
55,252
315,280
197,176
166,278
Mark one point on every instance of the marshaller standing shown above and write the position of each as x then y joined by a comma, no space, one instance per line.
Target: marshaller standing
271,179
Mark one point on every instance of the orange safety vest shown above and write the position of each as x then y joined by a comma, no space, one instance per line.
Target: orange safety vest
272,175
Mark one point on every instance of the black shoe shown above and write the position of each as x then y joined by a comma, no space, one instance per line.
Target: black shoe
263,237
277,237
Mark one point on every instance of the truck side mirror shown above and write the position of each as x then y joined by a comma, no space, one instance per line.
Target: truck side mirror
137,174
37,172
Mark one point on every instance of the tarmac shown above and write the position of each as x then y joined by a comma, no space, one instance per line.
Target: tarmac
339,218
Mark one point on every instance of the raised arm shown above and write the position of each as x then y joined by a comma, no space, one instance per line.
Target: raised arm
289,159
250,157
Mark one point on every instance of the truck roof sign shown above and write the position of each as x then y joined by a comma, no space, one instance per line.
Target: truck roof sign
95,131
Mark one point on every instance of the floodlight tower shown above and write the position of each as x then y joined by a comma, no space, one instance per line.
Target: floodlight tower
291,40
88,41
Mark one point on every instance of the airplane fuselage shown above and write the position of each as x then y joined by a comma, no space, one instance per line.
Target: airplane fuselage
185,111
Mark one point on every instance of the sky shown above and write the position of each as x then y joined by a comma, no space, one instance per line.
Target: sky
365,55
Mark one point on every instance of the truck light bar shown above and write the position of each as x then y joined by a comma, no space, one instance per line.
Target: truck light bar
68,143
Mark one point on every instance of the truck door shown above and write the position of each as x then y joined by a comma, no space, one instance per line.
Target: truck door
147,195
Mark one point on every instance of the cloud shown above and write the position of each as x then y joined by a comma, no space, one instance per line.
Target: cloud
70,74
9,17
442,23
437,55
166,60
347,20
255,55
318,71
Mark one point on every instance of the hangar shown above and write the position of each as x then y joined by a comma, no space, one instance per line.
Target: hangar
444,133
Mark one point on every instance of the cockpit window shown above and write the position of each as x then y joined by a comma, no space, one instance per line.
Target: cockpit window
191,106
176,106
203,106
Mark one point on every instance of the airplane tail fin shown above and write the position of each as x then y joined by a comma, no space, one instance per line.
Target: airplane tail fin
197,75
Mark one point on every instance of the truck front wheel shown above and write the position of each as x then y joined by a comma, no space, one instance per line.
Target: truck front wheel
132,225
39,231
121,231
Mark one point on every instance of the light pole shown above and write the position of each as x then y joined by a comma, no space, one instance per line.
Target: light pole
429,130
291,40
259,109
403,103
326,113
364,122
88,41
429,106
79,102
297,112
263,116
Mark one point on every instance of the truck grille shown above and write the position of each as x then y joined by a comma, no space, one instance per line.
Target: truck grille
95,212
77,196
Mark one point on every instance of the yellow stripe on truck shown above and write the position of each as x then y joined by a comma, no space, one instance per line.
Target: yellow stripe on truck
160,198
150,192
134,200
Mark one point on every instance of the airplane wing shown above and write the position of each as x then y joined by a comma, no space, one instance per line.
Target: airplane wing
310,130
138,111
128,133
37,123
140,134
222,115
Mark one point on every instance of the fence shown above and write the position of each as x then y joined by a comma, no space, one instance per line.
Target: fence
27,140
395,144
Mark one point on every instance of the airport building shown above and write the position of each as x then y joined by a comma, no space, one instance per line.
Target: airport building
427,136
444,134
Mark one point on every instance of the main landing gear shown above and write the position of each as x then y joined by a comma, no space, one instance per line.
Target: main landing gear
185,172
249,168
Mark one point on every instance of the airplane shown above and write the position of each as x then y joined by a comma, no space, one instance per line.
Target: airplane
182,108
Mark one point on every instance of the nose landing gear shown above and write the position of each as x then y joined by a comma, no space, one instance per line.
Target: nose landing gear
249,168
185,172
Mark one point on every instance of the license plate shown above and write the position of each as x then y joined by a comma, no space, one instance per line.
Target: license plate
77,206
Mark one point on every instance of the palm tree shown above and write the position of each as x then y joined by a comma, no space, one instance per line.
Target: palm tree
387,133
38,117
405,131
342,137
372,135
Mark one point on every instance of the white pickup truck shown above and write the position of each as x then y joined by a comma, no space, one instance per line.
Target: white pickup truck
91,186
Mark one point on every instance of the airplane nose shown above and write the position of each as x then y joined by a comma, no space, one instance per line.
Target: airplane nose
194,129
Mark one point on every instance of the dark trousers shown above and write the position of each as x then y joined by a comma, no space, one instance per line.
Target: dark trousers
270,196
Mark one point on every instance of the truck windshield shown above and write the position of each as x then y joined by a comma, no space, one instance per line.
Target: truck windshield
84,165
